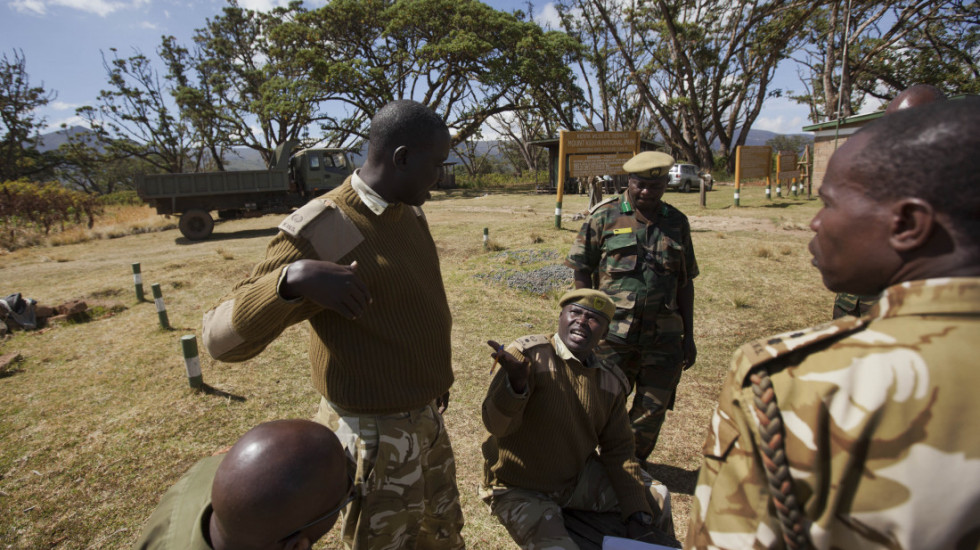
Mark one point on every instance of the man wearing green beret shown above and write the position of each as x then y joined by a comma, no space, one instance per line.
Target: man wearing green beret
637,249
549,407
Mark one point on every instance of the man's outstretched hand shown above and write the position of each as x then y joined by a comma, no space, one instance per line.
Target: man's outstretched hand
517,371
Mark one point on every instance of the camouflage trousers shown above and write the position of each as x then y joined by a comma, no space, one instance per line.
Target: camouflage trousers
652,360
405,486
534,519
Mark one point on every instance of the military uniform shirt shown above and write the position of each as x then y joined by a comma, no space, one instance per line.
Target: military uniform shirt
880,416
184,511
640,263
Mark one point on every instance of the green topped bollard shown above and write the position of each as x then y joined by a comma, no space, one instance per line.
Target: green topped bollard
486,238
191,360
161,309
138,282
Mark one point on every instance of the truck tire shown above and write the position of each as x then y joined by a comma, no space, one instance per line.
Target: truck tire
196,225
686,187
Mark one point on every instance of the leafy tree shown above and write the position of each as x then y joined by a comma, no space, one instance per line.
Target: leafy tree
89,167
253,83
136,118
875,49
703,68
463,59
794,143
19,101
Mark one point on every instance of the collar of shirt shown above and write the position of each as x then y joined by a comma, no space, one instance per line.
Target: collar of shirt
368,196
940,296
562,350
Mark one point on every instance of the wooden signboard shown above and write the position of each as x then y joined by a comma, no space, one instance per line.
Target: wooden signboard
592,153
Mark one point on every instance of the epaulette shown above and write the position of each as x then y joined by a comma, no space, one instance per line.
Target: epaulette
603,203
525,343
759,352
614,372
325,226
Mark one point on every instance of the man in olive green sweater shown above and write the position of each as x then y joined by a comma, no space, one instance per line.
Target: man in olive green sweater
360,265
548,409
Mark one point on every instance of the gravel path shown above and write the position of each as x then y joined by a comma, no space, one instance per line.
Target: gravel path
536,281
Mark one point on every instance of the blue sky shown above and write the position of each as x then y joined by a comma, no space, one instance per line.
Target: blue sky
62,40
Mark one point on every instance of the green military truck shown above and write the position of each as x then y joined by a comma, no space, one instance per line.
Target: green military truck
290,181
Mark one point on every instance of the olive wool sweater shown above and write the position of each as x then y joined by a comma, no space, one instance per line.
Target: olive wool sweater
542,439
396,356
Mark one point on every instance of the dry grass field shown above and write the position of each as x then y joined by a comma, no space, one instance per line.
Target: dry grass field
98,420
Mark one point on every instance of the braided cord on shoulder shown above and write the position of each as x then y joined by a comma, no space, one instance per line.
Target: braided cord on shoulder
788,509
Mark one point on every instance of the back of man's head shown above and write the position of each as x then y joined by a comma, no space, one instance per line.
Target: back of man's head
931,153
914,96
403,122
278,477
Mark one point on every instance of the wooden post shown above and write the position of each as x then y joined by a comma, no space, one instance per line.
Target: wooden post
738,172
561,178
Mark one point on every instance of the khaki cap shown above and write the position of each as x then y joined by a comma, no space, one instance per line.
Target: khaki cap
592,300
649,164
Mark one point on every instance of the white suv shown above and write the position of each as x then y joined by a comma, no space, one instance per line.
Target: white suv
684,177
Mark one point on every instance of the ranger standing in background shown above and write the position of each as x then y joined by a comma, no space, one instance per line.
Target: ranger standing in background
637,249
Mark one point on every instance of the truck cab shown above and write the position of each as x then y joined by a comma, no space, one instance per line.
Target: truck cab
316,170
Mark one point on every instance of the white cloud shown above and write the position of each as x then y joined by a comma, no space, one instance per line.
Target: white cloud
101,8
548,17
262,5
55,125
779,124
148,25
35,7
63,106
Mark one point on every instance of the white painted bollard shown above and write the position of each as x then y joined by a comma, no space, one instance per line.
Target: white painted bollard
161,309
188,345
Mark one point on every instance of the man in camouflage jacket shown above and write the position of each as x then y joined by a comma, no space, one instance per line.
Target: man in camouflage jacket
637,249
859,433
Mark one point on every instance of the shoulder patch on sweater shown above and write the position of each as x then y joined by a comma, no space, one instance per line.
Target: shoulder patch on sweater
758,352
613,379
326,227
295,222
602,203
525,343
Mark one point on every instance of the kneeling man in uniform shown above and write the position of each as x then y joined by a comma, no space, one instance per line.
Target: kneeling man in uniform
560,438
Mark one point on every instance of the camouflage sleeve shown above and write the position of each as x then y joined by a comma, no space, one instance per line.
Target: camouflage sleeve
586,251
690,261
622,467
503,408
730,508
253,315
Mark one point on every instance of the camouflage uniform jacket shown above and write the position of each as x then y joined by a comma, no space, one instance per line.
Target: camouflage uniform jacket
640,263
878,414
542,439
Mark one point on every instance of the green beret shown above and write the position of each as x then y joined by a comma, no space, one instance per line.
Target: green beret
649,164
592,300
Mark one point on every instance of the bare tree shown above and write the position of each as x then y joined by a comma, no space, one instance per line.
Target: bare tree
846,41
19,156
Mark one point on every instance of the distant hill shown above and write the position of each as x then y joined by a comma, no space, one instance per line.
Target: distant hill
244,158
53,140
